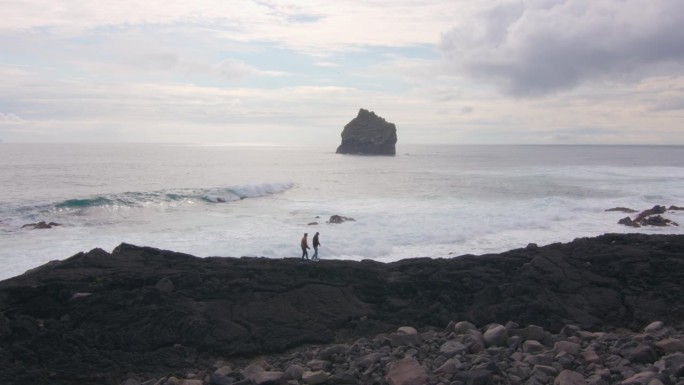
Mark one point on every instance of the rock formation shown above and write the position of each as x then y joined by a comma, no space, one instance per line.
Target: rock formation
650,217
96,317
368,134
41,225
337,219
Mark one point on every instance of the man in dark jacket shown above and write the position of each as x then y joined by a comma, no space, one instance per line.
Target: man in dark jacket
316,243
305,246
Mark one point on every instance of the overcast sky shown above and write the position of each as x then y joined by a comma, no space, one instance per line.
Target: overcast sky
295,72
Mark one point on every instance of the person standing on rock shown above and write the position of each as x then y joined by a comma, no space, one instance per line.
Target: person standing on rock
305,246
316,243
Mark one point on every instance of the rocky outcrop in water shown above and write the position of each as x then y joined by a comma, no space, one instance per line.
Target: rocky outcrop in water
40,225
650,217
368,134
96,317
337,219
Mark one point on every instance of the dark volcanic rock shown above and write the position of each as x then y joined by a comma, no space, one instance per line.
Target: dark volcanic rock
95,317
657,209
40,225
622,209
627,221
368,134
337,219
648,217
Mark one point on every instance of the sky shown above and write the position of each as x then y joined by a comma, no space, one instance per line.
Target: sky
280,72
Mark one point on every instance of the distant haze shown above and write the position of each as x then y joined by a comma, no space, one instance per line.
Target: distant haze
295,72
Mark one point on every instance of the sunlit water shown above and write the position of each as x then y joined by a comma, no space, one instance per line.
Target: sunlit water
428,201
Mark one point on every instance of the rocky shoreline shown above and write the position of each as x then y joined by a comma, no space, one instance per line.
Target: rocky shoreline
464,354
138,314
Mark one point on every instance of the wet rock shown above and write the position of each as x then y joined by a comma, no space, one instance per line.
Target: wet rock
622,209
627,221
657,220
41,225
657,209
650,217
337,219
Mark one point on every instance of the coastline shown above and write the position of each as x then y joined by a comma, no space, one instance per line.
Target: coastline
145,310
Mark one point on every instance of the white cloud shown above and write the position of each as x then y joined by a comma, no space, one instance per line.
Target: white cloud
327,64
10,119
534,48
316,27
233,69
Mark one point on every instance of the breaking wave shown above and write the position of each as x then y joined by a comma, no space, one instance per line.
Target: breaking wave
162,198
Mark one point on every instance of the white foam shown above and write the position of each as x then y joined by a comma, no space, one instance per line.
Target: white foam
402,209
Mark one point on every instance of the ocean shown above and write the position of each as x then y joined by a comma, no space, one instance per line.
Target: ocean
437,201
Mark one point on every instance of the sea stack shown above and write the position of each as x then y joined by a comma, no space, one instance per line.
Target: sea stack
368,134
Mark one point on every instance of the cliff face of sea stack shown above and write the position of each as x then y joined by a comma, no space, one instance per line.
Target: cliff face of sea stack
368,134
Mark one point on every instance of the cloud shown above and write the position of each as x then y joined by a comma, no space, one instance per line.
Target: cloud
235,69
10,118
317,27
540,47
327,64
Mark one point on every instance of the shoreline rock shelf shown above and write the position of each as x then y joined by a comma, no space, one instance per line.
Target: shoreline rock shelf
97,317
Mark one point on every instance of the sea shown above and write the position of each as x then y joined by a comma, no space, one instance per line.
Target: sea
435,201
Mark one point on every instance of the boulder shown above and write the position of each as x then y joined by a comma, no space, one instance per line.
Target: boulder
496,335
406,372
452,348
405,335
569,377
314,378
368,134
337,219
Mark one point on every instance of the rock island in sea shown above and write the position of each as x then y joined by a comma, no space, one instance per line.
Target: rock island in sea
368,134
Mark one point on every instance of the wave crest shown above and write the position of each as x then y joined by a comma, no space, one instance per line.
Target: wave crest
141,199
